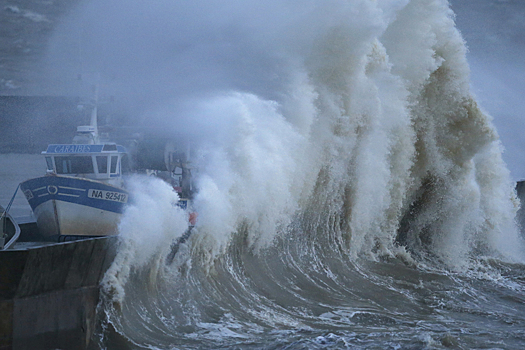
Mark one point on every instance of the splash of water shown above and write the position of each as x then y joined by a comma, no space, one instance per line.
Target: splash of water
372,137
150,222
328,133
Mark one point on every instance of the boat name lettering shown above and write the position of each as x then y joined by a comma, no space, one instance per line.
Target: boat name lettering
72,149
108,195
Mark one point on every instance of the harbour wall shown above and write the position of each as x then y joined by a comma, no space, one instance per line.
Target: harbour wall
30,123
49,294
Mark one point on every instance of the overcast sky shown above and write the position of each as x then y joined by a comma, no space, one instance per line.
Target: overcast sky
495,34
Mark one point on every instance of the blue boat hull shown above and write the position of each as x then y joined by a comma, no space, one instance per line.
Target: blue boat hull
65,206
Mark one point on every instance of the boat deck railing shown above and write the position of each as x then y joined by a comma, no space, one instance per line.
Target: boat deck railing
10,231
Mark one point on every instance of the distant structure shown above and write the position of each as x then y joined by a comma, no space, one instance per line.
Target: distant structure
29,123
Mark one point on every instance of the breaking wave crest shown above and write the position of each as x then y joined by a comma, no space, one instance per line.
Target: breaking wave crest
347,171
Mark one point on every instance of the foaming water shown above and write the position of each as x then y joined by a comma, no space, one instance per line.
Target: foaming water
351,191
150,224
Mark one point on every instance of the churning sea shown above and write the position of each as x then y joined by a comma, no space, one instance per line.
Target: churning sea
351,191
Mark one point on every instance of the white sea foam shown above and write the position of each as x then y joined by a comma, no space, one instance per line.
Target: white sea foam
346,176
358,113
150,223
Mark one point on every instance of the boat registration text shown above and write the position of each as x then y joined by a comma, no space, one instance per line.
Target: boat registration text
108,195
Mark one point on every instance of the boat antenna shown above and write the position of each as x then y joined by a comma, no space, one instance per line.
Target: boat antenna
88,134
94,111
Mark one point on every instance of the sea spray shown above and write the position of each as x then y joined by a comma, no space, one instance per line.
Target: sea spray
347,177
150,223
372,137
253,174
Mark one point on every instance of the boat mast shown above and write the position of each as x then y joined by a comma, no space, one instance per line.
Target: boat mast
94,117
88,134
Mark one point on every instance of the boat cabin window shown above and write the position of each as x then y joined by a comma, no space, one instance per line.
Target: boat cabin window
109,147
74,165
49,163
102,164
114,161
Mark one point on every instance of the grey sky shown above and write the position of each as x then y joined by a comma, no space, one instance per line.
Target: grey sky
495,34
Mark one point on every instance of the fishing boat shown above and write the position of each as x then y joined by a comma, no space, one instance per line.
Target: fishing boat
52,270
82,193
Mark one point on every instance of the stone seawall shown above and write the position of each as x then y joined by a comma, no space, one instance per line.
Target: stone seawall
49,294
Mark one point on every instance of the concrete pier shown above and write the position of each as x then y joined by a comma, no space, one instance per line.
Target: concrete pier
49,293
